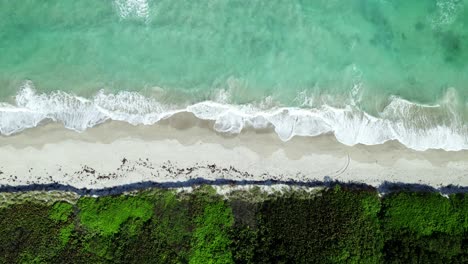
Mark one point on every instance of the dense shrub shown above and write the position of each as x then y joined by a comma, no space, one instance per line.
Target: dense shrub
27,234
425,228
211,243
336,225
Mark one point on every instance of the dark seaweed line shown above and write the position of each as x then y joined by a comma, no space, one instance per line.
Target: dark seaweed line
386,187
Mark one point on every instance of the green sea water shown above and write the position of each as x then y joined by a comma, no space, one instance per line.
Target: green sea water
301,53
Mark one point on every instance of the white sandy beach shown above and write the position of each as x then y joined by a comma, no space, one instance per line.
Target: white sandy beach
116,153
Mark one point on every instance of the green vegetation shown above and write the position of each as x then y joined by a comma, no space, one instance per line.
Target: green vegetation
65,233
336,225
425,228
425,214
107,214
60,211
210,238
332,228
27,234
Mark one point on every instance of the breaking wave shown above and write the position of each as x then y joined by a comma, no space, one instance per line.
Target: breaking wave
416,126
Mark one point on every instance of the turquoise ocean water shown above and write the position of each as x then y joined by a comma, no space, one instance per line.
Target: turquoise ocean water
368,71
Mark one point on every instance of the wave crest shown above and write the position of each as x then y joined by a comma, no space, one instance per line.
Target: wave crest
419,127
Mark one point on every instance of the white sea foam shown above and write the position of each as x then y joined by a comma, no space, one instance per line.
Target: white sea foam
133,8
447,11
419,127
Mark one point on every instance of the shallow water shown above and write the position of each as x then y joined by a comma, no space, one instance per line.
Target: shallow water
402,63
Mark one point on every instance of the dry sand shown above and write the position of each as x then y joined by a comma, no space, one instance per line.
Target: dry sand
117,153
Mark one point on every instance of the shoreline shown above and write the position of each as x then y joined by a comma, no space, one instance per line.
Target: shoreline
349,124
176,151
